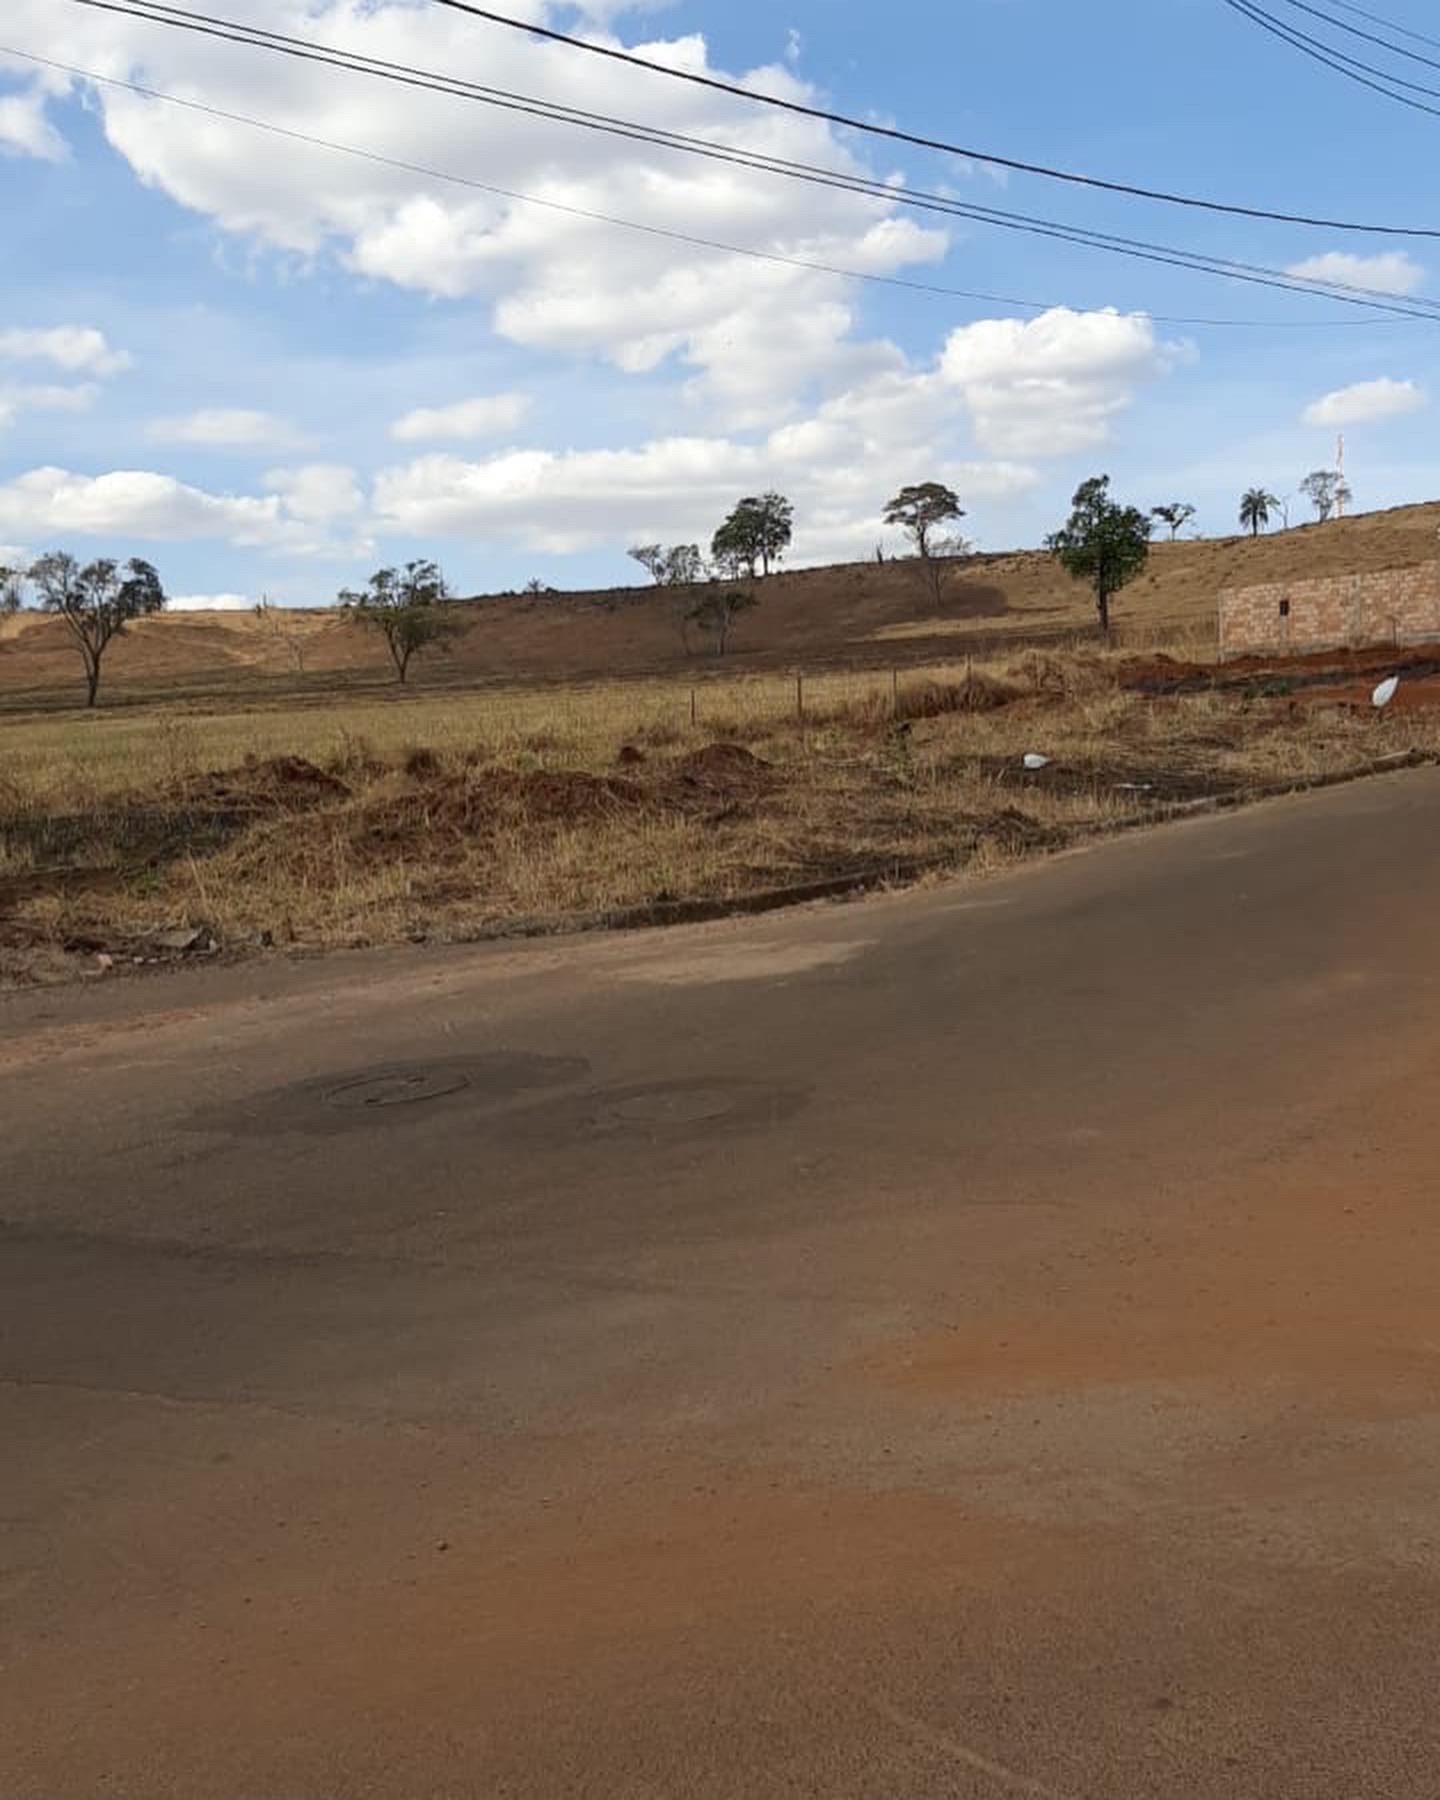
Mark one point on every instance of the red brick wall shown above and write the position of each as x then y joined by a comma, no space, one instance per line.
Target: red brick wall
1389,606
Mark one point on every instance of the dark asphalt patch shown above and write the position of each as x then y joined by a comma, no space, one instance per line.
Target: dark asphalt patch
391,1095
397,1087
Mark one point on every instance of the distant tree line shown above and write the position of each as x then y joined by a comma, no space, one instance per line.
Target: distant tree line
1104,543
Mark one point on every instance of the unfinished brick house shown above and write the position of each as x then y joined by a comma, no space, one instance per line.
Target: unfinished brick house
1389,606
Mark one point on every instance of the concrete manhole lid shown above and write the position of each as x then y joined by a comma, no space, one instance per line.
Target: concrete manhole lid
396,1087
668,1106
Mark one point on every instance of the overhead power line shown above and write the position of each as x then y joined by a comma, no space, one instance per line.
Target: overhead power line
658,231
1375,18
919,141
1379,81
1371,37
1348,293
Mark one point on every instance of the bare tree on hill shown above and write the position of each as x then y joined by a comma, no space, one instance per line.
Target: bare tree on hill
1176,516
1325,489
283,629
718,611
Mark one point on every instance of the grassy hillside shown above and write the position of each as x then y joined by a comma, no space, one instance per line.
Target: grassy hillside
861,615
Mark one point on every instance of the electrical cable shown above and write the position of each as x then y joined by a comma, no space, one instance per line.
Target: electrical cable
153,11
659,231
1336,60
1368,37
897,135
1309,37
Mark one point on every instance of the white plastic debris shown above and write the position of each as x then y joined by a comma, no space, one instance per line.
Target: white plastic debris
1385,693
1034,761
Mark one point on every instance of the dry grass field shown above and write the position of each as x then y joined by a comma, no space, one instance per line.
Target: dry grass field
459,815
239,804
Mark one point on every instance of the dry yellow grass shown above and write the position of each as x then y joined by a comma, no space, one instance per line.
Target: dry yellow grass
458,814
78,758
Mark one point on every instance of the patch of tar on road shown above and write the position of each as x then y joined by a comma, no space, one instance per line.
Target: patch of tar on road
667,1110
390,1094
740,961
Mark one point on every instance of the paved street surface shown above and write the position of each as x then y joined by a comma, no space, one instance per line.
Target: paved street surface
979,1342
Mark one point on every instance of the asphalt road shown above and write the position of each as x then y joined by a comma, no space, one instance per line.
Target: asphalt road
978,1342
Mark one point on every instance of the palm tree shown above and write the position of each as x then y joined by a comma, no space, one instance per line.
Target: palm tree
1255,505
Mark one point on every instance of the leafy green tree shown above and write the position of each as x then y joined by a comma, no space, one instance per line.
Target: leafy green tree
921,510
1176,515
96,601
1325,489
733,553
1256,505
718,611
1102,542
407,608
755,536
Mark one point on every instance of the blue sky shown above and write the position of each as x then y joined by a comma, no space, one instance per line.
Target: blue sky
270,368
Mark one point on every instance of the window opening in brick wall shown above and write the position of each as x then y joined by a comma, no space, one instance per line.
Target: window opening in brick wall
1284,609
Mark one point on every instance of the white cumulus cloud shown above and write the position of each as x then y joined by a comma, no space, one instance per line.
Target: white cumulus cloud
124,505
78,349
1052,385
220,427
555,279
317,492
481,417
209,603
134,502
1365,402
45,397
1391,272
24,129
1026,391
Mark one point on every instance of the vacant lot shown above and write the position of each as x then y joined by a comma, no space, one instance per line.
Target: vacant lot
455,815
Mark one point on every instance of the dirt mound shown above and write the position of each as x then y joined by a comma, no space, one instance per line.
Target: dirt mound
264,784
723,770
925,700
565,795
487,799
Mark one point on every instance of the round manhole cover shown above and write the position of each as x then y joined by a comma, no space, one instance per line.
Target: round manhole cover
396,1087
669,1106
